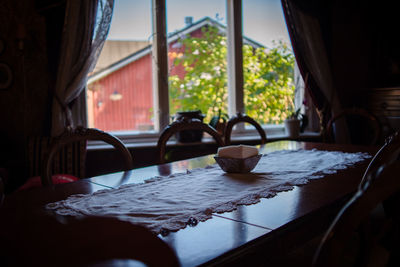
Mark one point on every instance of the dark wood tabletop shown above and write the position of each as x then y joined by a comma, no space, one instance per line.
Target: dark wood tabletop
250,233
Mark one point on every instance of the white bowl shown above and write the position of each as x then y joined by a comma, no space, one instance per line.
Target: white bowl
234,165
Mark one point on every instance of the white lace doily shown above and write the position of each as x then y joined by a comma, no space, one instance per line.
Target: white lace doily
172,202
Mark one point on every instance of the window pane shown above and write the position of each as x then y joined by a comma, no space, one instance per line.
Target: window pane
268,62
197,56
120,94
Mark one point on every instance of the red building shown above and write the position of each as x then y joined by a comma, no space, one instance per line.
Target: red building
120,94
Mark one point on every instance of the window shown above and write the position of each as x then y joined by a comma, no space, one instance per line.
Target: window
120,94
205,62
197,57
268,63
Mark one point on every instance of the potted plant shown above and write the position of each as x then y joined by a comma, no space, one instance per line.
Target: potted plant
292,124
218,122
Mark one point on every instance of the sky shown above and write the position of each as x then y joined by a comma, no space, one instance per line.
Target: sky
263,20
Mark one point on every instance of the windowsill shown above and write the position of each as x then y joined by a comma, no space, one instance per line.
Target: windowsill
274,134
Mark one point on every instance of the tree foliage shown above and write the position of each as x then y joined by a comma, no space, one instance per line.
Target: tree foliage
268,78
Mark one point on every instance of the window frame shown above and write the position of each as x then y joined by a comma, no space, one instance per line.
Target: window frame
234,62
160,74
160,62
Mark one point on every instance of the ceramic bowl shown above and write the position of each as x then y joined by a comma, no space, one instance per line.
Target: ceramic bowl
233,165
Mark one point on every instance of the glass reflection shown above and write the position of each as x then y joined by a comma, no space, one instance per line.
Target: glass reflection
126,175
239,229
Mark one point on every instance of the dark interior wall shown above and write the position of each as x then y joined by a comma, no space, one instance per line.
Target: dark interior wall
23,103
361,42
29,32
384,24
363,47
350,48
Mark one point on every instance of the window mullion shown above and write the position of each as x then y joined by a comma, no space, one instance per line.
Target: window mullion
160,65
235,58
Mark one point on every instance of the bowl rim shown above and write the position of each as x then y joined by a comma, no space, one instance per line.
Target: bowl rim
258,155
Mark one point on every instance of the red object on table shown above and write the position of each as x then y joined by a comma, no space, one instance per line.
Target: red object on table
57,179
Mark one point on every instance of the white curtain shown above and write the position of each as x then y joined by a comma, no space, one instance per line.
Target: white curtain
86,26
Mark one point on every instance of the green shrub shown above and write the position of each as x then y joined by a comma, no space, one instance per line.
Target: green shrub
268,78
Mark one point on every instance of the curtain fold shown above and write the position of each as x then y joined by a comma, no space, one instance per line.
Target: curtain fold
85,30
306,30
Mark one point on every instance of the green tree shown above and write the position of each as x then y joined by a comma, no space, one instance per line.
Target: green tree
268,78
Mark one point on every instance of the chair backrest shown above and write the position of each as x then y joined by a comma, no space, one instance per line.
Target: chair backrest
239,117
363,127
380,185
118,240
88,241
184,125
69,159
78,135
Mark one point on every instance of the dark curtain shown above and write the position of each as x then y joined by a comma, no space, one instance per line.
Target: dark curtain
308,24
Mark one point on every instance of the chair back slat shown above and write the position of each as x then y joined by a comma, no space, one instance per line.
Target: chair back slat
358,125
69,160
239,117
67,149
184,125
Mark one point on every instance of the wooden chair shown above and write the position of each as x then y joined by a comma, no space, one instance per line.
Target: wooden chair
363,127
68,166
79,135
89,241
361,232
184,124
239,117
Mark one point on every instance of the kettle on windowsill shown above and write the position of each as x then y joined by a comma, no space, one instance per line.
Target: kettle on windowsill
189,136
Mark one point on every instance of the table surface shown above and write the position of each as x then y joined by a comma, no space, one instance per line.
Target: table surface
254,232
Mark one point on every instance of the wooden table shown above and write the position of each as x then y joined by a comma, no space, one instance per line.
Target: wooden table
254,233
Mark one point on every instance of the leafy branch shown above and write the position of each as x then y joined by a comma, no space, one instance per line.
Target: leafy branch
268,78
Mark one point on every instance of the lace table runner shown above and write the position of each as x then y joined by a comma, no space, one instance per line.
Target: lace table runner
170,203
